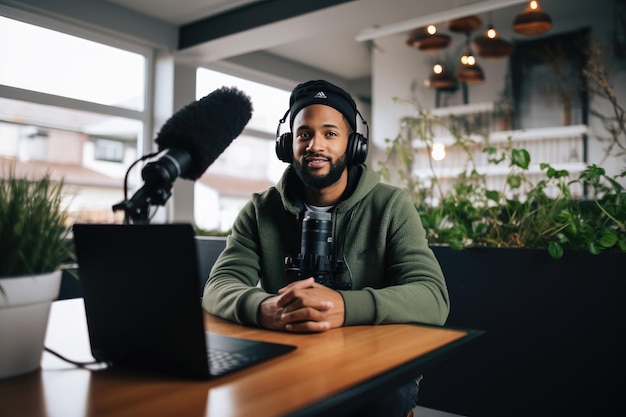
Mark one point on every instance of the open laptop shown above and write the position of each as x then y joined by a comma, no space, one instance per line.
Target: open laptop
143,304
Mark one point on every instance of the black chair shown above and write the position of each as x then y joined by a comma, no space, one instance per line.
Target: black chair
209,248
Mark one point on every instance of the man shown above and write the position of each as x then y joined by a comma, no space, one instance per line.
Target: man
377,237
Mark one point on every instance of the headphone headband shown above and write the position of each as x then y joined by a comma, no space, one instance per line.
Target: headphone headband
280,122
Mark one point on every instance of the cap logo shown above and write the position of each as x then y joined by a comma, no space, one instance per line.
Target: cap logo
320,95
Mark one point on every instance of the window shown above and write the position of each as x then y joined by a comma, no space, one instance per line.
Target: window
75,108
249,164
549,87
109,150
39,59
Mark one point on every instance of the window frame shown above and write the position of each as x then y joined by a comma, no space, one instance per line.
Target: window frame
144,116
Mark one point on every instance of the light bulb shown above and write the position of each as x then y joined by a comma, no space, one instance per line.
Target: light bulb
439,151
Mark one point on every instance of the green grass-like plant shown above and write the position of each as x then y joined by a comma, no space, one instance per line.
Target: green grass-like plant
33,231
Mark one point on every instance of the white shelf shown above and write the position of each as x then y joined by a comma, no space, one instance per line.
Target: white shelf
574,168
473,108
541,133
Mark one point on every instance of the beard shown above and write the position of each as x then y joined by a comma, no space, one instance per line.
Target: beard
319,182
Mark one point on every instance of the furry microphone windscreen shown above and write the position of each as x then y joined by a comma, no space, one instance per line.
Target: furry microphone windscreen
206,127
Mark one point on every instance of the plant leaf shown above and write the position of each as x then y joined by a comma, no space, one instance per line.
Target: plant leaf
520,158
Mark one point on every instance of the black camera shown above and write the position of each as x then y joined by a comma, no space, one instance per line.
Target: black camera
315,258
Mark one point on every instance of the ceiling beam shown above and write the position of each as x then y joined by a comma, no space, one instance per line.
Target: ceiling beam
247,17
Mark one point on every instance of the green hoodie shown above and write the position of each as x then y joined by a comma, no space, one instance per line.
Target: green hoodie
376,231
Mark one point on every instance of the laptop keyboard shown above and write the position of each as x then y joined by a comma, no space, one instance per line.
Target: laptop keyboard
222,361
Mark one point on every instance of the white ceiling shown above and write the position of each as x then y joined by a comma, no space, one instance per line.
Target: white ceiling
326,40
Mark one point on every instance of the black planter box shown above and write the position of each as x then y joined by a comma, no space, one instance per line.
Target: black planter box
553,342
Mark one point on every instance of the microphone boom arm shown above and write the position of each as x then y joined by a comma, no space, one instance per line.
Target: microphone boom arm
158,178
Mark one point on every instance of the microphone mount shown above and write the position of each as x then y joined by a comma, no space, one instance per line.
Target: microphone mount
159,177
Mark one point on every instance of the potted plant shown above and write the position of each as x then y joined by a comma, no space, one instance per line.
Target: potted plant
33,245
539,270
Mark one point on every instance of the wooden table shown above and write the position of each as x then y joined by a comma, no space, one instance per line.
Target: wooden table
328,373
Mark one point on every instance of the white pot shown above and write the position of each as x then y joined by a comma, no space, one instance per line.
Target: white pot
24,309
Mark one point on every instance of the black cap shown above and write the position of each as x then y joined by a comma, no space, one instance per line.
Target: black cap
322,92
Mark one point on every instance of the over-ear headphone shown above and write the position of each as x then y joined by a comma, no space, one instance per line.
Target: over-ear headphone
356,152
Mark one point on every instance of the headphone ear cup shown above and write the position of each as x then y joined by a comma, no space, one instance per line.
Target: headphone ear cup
357,149
284,150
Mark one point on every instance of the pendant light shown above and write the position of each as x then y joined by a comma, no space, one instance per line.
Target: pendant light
426,38
441,78
532,21
490,45
465,24
468,70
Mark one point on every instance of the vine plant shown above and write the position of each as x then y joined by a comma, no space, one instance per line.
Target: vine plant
524,213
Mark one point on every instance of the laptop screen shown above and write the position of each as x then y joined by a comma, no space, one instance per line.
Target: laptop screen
143,302
140,286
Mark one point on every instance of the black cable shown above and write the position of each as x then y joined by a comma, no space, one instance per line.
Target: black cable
126,176
79,364
143,158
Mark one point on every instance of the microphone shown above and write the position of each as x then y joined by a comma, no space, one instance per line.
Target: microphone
191,140
315,258
205,128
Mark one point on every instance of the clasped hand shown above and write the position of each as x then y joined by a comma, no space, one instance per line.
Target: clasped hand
303,306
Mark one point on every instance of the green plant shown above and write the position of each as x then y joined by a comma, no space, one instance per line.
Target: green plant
33,232
523,213
597,72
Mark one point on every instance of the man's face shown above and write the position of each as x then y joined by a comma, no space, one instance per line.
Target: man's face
320,139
